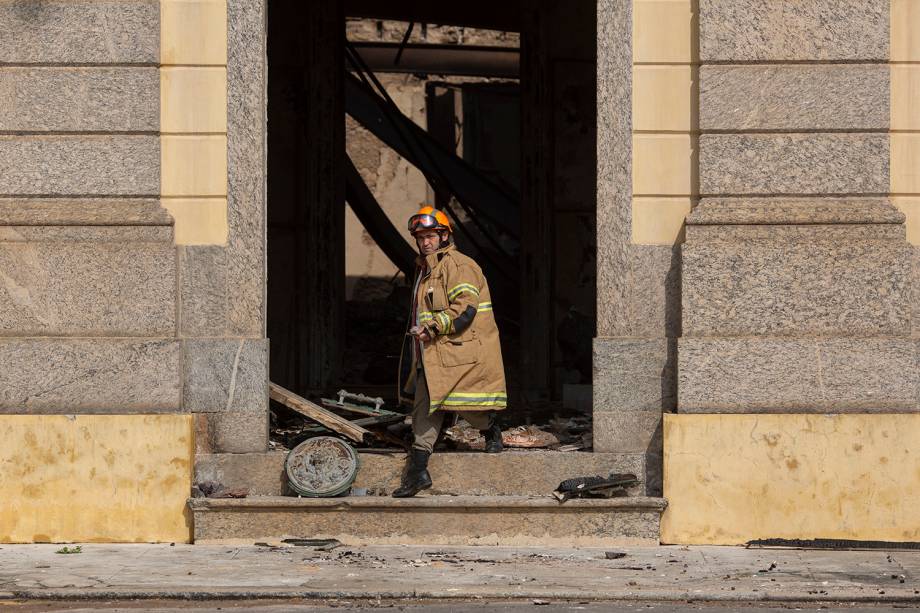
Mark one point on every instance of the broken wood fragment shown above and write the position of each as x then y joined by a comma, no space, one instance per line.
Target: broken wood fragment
317,413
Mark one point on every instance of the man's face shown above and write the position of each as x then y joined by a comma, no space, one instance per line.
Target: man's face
428,241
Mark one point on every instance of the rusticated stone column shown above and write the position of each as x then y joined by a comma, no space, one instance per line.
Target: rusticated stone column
637,285
795,271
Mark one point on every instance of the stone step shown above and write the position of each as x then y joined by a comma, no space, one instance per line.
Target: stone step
431,520
510,473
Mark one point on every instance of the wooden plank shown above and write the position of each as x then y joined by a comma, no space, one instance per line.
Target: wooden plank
317,413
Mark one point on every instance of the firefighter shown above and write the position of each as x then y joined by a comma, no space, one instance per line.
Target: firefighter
451,359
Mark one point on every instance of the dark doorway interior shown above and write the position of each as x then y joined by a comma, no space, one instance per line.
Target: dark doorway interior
511,93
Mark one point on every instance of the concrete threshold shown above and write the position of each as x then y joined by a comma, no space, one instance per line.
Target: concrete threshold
635,503
442,520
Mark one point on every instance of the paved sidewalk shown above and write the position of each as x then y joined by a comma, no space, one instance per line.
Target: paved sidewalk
651,573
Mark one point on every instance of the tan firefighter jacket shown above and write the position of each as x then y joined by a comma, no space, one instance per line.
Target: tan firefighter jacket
463,363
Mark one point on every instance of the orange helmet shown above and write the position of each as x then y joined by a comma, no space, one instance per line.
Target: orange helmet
429,218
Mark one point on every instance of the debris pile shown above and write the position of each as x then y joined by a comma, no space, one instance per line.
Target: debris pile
213,489
570,434
617,484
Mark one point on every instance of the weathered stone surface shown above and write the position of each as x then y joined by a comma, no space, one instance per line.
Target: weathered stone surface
79,165
652,305
83,212
235,431
632,375
225,375
67,32
89,375
765,375
436,520
795,97
223,288
246,158
779,210
510,473
825,163
915,291
776,30
614,164
87,288
628,432
782,288
218,293
100,234
80,99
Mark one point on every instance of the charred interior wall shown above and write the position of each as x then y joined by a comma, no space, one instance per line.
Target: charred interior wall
306,193
559,204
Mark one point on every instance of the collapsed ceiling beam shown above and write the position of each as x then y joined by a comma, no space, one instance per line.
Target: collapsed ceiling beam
418,147
487,14
375,221
496,62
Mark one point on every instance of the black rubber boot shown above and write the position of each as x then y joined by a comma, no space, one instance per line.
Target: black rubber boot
494,436
417,477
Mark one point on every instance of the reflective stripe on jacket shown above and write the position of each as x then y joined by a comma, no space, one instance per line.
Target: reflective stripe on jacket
463,363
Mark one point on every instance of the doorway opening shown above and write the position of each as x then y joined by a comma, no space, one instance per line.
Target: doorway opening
487,112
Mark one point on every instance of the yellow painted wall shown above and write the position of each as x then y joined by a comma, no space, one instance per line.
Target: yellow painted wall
905,112
665,119
95,478
729,479
193,118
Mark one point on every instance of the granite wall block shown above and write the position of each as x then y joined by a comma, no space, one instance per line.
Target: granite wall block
614,164
783,288
115,165
810,375
68,32
795,97
793,30
822,163
97,375
75,99
633,375
60,286
246,165
225,375
619,432
233,432
915,291
219,296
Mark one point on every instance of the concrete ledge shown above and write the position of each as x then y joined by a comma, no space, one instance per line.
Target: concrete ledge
423,501
445,520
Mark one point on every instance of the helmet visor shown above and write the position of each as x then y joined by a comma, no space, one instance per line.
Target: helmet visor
423,222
